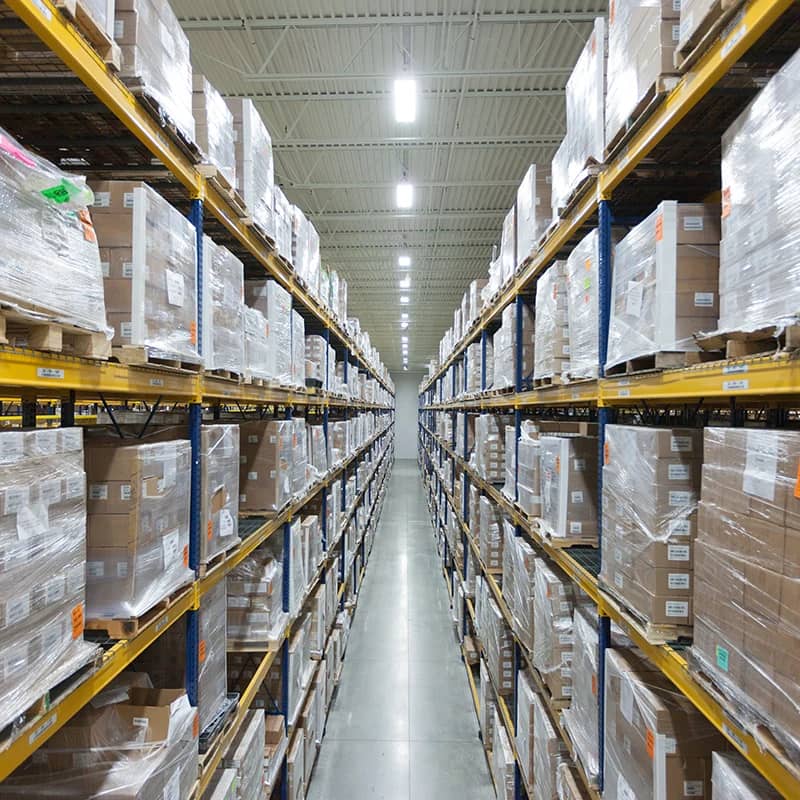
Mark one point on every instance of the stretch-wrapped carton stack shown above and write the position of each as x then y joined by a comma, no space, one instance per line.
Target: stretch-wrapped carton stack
490,448
475,299
275,303
549,751
43,548
219,489
150,280
533,211
747,574
155,58
316,351
266,464
519,565
257,350
529,484
223,309
551,344
583,265
733,778
505,347
503,763
283,214
664,285
298,350
137,548
490,536
651,478
246,755
214,128
495,635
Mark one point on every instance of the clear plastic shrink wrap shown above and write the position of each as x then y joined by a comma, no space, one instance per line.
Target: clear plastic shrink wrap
554,603
509,487
568,474
664,282
299,456
508,260
642,35
305,250
496,638
476,288
584,142
155,58
45,221
102,12
651,478
583,265
275,303
131,741
568,783
549,751
317,451
580,719
214,127
325,287
224,785
223,308
519,565
759,253
733,778
487,706
505,347
149,254
137,548
747,575
283,215
43,552
254,167
503,763
298,350
255,598
529,483
246,755
658,745
219,489
257,351
490,453
551,348
524,739
265,469
533,211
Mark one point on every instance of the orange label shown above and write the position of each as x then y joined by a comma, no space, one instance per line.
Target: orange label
196,726
659,227
594,45
587,265
558,465
594,685
611,11
606,455
186,555
88,233
77,621
210,529
651,742
201,651
797,482
726,202
193,332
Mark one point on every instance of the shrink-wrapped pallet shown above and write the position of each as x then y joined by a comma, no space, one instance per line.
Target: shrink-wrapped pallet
525,730
551,347
150,282
265,471
503,763
43,550
664,282
257,352
223,309
490,535
219,489
214,128
137,548
45,221
508,241
275,303
549,751
519,564
759,253
583,266
505,347
246,756
156,59
733,778
283,214
254,166
305,250
298,350
529,484
476,287
533,211
317,451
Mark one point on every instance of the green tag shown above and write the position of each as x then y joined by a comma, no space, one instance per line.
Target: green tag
722,658
62,192
587,282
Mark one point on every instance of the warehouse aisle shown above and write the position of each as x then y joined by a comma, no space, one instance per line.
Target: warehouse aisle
403,724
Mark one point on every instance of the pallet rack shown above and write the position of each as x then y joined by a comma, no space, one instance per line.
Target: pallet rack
649,167
113,134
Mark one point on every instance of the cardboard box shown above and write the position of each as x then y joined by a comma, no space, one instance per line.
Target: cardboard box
223,309
214,128
265,474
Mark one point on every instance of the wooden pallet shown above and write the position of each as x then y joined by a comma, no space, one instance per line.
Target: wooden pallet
225,374
131,627
562,542
30,330
216,560
711,28
251,380
257,228
587,176
738,344
219,180
254,646
77,13
550,380
652,98
654,633
139,356
659,361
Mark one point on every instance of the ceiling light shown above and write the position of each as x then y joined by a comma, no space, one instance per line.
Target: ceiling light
405,194
404,261
404,339
404,325
404,315
405,367
404,299
405,100
405,283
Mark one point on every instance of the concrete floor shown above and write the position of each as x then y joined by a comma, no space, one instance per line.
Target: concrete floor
402,725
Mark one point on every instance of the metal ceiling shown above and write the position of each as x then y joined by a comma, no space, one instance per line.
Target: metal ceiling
491,79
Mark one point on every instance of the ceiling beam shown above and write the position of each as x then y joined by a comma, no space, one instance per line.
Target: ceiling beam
382,94
484,213
459,74
388,185
246,24
417,141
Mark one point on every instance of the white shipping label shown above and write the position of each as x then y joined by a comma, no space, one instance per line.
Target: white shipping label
74,486
633,298
679,472
127,269
126,330
252,438
678,552
693,789
16,498
619,580
119,32
172,791
50,491
575,527
626,699
170,470
54,590
95,569
678,580
105,268
679,527
171,544
225,523
565,638
175,288
693,223
18,609
122,569
680,444
102,199
680,498
140,722
579,464
576,497
704,299
676,35
127,199
676,608
125,491
98,491
12,448
761,464
252,476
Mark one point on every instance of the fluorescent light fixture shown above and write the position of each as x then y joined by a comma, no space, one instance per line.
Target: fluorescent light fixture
404,339
404,325
405,194
404,299
405,100
405,367
404,261
404,316
405,283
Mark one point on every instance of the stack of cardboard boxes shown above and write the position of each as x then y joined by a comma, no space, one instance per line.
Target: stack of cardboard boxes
213,127
219,489
551,341
651,478
490,535
246,755
495,635
519,566
316,351
275,303
533,211
490,447
583,265
266,466
505,347
529,481
549,750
